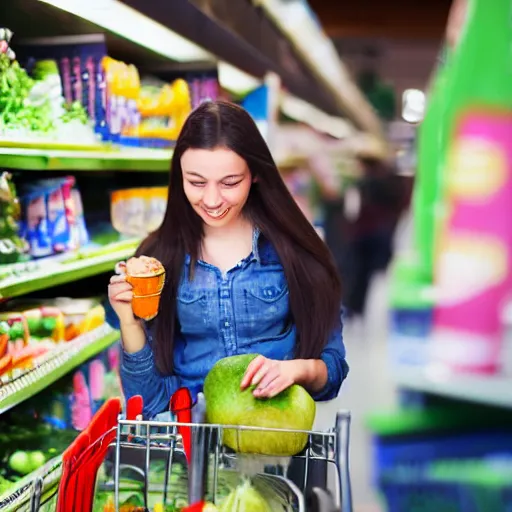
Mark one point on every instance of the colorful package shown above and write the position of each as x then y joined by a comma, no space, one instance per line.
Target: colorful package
34,224
53,220
82,235
92,384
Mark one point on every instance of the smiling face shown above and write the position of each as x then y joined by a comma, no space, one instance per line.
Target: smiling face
217,184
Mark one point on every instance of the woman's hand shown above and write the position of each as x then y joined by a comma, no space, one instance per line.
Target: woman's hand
270,376
120,296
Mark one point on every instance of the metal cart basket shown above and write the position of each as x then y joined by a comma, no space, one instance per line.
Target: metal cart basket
124,445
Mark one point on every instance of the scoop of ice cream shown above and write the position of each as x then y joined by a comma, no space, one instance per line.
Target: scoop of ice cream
143,266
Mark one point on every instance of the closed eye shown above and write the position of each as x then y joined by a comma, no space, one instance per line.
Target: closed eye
197,183
230,185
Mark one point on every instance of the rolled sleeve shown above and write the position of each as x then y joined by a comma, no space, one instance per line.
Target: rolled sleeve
139,362
337,368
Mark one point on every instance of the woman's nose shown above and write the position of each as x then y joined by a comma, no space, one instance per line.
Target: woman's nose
212,198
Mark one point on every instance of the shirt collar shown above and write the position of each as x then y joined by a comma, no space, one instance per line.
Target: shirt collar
262,250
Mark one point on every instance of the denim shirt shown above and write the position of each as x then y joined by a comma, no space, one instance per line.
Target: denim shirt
245,310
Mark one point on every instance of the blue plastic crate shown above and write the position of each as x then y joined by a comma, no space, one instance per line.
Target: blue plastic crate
460,486
444,497
419,450
417,497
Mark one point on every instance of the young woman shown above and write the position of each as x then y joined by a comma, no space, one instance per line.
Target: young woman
246,273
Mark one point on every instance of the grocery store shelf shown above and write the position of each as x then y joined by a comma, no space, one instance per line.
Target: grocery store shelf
21,278
296,21
71,355
20,493
491,390
29,159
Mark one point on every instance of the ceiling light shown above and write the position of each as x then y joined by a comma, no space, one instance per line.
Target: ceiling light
116,17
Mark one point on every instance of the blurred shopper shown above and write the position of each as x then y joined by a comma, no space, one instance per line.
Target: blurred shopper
381,200
360,219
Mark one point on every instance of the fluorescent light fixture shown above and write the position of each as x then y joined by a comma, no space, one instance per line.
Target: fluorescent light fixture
235,80
126,22
304,112
296,20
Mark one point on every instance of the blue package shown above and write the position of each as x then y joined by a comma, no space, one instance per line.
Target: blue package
34,226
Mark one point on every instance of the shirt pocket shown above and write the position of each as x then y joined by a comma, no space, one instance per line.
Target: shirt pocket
194,312
267,302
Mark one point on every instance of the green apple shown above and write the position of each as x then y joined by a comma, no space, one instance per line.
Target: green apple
37,459
20,462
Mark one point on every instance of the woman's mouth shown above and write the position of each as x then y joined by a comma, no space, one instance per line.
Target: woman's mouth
217,214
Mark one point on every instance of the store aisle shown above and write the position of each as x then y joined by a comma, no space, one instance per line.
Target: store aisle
368,387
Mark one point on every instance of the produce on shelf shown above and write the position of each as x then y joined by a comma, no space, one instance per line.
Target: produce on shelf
27,442
30,334
25,462
34,105
12,247
5,38
226,404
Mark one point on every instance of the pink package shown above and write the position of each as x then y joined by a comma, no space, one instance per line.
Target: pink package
474,251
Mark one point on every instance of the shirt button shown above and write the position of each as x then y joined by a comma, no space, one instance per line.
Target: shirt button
226,324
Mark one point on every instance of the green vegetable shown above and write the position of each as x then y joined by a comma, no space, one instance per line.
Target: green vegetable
17,331
20,462
21,110
226,404
36,459
75,111
245,498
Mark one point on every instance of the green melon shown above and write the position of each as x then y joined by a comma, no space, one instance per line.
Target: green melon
226,404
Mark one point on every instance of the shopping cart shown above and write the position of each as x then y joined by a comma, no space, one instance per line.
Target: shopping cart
208,471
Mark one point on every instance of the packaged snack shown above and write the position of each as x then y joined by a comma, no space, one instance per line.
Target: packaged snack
34,226
117,209
58,226
156,204
81,229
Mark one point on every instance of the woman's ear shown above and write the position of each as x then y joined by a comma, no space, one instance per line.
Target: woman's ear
255,179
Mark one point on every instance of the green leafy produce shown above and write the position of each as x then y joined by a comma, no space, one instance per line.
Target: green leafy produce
25,102
245,498
74,112
11,245
5,485
226,404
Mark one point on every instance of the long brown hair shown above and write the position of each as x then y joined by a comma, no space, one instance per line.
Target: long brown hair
313,282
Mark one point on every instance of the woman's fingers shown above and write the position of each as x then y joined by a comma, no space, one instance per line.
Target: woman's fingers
251,371
125,296
270,375
264,369
278,385
120,267
120,289
118,279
